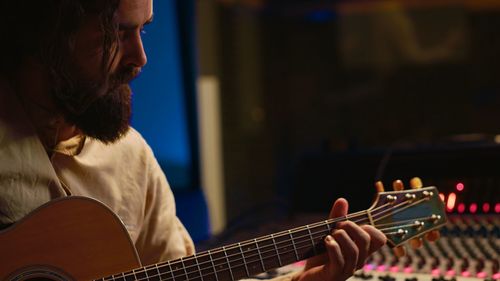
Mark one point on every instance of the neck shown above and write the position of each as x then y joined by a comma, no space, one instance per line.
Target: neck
30,83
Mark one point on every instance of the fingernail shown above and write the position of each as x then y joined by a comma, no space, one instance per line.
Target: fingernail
328,239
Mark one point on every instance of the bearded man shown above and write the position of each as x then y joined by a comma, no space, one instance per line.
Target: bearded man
64,129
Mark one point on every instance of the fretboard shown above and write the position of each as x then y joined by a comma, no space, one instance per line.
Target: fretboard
245,259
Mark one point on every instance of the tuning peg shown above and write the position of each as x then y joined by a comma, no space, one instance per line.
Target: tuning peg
398,185
433,235
416,182
399,251
379,186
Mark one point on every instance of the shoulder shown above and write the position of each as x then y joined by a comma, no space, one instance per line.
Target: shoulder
131,150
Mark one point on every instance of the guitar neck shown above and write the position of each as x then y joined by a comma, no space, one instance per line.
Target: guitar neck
245,259
400,215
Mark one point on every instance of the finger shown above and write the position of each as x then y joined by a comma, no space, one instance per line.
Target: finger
316,261
379,186
360,238
348,249
399,251
397,185
433,235
337,260
377,238
339,209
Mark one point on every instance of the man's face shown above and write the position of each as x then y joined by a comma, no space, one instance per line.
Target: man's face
100,103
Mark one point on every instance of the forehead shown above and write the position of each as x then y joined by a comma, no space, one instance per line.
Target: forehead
135,11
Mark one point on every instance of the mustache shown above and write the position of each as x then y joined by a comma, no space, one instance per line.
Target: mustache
124,76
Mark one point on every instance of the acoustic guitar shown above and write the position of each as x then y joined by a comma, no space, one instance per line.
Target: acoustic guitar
78,238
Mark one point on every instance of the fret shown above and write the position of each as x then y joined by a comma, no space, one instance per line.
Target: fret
329,227
158,271
312,239
244,260
251,258
185,270
199,268
228,264
213,265
138,275
130,276
293,244
260,255
171,270
268,254
163,271
276,249
152,273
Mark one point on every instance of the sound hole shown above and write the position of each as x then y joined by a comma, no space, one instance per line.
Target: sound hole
41,273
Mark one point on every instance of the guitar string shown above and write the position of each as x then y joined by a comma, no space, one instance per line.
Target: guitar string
408,220
200,273
247,243
237,254
284,232
277,235
374,216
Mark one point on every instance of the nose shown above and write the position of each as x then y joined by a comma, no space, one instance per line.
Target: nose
133,51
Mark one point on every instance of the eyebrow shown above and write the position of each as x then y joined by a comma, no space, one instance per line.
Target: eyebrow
126,26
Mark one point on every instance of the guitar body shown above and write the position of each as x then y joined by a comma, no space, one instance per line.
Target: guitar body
73,238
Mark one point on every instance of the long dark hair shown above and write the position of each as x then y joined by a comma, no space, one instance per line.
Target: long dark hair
45,29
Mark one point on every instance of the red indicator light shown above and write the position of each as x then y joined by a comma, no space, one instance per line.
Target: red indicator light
473,208
497,208
450,204
486,207
461,208
460,186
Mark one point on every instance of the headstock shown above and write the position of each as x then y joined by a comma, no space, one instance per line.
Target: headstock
406,214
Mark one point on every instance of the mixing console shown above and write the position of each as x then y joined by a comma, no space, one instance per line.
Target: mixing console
469,248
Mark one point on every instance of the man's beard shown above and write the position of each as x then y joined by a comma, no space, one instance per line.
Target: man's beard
100,110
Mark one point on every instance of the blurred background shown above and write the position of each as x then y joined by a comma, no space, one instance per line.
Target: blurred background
264,111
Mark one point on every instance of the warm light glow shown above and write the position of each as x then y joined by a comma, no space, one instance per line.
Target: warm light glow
486,207
465,273
394,268
473,208
461,208
408,269
450,272
497,208
436,272
460,186
450,204
441,195
482,275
